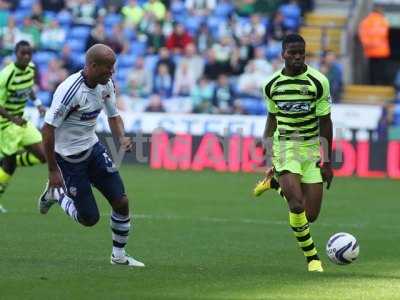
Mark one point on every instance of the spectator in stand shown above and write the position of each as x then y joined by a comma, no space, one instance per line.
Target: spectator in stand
201,96
332,69
261,63
155,39
30,33
223,51
194,61
245,8
10,35
200,8
113,6
250,81
97,35
53,5
37,15
53,36
68,61
155,104
255,29
166,59
163,81
115,40
84,12
133,13
156,8
53,75
277,29
184,80
139,80
224,95
212,68
204,39
168,24
373,32
397,83
179,39
9,4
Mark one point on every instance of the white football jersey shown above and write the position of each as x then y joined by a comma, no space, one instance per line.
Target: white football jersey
74,112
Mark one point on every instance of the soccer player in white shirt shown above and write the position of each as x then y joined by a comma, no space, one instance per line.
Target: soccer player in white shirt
77,160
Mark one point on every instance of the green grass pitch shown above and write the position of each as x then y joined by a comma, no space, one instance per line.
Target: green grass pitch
202,236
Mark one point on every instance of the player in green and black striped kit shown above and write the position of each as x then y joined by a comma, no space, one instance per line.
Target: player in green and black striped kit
20,141
298,124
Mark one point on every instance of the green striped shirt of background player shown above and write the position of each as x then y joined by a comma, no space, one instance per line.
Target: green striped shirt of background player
17,80
298,101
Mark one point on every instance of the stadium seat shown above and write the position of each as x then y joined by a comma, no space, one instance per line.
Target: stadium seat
122,75
26,4
368,94
150,62
223,10
64,18
79,59
253,106
76,45
138,48
111,19
20,14
43,57
126,60
79,32
45,96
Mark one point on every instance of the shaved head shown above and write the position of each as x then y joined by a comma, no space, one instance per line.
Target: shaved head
99,54
99,64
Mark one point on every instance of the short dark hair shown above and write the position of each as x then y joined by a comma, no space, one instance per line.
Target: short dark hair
292,38
20,44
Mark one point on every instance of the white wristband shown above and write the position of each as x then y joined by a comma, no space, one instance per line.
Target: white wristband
37,102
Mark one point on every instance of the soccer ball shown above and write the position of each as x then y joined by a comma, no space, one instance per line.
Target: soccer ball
342,248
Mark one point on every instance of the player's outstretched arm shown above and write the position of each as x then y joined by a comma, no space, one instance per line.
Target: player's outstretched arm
55,177
118,132
269,131
325,133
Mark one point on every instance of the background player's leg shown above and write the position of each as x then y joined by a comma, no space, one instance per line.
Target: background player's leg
33,156
313,199
291,187
7,169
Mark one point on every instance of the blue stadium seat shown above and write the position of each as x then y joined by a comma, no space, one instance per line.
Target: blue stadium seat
138,48
43,57
49,15
192,24
177,8
150,62
64,18
77,45
45,96
26,4
111,19
79,32
122,75
20,14
79,59
126,60
253,106
223,10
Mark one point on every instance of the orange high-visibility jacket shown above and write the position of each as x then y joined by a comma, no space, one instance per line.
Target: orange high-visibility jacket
374,35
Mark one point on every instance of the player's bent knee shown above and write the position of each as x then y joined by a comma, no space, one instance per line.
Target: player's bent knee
121,204
88,219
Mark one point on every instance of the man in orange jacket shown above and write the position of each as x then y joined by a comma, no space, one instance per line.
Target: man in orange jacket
373,32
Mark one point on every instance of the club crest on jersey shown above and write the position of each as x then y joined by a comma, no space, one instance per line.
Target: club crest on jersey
105,95
304,90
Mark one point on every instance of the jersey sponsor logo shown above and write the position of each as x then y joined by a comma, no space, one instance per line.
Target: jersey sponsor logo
294,107
90,115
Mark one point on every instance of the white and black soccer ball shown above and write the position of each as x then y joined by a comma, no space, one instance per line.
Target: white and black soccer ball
342,248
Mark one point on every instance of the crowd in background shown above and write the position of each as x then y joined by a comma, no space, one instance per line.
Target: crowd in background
201,56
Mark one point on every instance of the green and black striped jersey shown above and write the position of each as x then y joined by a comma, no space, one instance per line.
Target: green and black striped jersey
297,102
15,89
